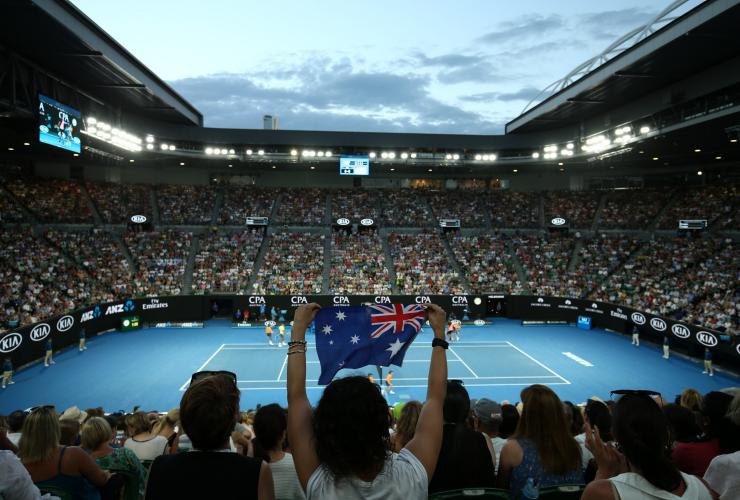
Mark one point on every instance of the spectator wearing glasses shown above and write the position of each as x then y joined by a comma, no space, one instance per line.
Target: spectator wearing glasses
542,447
642,467
342,447
209,410
67,468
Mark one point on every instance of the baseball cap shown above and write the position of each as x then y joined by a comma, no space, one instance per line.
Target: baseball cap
487,410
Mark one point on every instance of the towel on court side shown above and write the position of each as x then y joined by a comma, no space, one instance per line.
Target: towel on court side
353,337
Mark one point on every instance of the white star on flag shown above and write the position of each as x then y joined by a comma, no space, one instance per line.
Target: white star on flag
355,339
327,329
331,342
395,347
341,315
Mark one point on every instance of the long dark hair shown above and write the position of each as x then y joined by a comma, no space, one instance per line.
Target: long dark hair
270,424
350,427
641,429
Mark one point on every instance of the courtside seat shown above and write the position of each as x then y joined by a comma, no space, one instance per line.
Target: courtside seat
471,494
562,492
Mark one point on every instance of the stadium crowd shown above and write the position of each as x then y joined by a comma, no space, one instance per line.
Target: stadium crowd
404,208
117,202
241,202
545,261
160,259
9,211
52,200
225,262
185,204
302,207
293,264
577,208
468,206
354,204
422,265
487,263
632,209
512,209
358,264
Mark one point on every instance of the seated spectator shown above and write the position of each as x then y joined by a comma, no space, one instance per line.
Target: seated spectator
69,432
488,418
642,469
15,481
165,427
574,416
465,460
96,437
509,421
541,448
271,429
67,468
208,413
691,399
690,453
15,424
342,448
142,441
405,425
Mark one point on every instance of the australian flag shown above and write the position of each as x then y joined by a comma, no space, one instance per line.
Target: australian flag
353,337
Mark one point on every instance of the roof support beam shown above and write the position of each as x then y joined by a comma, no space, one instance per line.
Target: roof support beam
586,101
121,86
627,74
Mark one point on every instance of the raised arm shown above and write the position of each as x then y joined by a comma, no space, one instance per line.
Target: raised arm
427,439
300,414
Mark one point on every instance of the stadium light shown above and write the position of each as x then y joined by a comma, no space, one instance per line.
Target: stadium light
404,156
328,154
413,155
209,151
456,156
535,155
249,152
293,152
550,149
733,140
26,143
560,163
92,121
320,153
182,163
697,150
372,154
261,152
313,168
11,149
717,157
150,146
700,173
131,161
392,155
569,146
644,129
231,151
384,155
163,147
430,169
478,157
448,157
392,169
149,138
655,158
171,147
230,165
515,170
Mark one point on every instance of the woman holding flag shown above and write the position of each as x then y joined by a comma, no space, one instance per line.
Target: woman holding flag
342,448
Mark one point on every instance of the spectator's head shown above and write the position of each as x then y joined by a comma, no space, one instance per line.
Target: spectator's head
209,410
406,424
543,423
168,421
509,420
487,415
69,432
715,405
682,423
573,417
457,403
597,414
95,433
270,427
15,420
641,429
137,423
94,412
39,435
351,425
691,399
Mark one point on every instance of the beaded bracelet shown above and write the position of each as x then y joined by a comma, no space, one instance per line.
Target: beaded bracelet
302,351
296,342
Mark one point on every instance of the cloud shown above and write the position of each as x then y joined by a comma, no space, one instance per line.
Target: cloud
450,60
326,95
611,24
524,27
524,94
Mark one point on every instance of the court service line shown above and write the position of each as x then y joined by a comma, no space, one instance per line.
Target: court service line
185,385
542,365
464,363
285,362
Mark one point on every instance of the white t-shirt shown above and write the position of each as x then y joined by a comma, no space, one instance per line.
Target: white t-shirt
15,481
723,475
14,437
631,486
149,449
403,478
287,486
498,445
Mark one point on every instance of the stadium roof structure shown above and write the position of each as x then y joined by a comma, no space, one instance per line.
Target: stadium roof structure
664,50
60,39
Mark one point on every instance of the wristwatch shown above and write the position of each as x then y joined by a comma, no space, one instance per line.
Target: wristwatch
441,343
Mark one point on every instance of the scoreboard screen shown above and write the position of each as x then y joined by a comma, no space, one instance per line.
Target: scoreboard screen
354,165
59,125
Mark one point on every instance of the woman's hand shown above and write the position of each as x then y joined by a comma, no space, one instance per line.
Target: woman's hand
609,461
303,317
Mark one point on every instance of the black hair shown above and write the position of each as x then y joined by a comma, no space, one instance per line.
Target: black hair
456,407
350,425
599,416
509,421
15,420
682,422
642,431
717,425
574,417
270,423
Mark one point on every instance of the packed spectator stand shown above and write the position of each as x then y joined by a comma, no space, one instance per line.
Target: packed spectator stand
293,264
225,262
358,264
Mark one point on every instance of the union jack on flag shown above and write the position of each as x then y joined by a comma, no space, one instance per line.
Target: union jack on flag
395,317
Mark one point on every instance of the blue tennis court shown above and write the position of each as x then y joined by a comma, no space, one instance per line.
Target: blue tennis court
150,368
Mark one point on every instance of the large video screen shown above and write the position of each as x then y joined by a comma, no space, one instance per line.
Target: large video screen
354,165
59,124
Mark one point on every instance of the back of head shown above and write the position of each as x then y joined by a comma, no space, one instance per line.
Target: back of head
457,403
509,421
208,411
167,421
270,424
406,424
641,429
137,423
15,420
543,423
351,424
488,414
40,435
598,415
691,399
682,423
95,432
69,432
573,417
